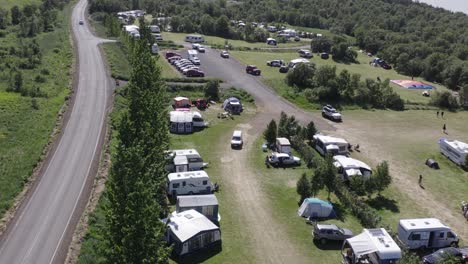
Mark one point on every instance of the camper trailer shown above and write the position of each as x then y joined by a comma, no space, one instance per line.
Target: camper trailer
194,38
283,145
425,233
181,102
373,246
184,160
295,62
188,182
233,105
455,150
183,122
330,145
190,231
206,205
349,167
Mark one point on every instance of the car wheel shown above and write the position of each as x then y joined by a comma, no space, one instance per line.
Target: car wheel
323,114
454,244
323,241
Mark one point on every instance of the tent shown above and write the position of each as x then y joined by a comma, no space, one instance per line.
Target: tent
233,105
316,208
410,84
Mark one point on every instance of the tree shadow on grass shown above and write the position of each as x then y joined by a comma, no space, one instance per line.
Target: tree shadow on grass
329,245
382,202
198,256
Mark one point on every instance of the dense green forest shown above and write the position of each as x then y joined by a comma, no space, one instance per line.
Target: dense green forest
417,39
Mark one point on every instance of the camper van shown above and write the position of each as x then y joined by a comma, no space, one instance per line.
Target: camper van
194,38
326,144
375,246
349,167
425,233
184,160
283,145
455,150
189,182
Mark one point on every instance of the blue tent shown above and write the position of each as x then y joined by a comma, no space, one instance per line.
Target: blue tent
316,208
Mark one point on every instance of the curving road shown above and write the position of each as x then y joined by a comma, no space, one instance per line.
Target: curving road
42,228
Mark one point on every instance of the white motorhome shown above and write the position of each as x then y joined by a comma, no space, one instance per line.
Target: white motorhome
333,145
295,62
375,246
283,145
424,233
189,182
349,167
184,160
455,150
194,38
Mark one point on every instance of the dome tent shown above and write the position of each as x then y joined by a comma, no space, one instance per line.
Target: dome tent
316,208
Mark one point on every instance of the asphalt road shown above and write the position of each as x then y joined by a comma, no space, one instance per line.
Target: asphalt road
267,101
42,228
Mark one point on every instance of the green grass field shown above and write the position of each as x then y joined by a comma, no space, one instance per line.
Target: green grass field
275,80
24,130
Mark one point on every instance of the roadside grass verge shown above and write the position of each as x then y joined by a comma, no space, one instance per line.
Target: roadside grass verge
25,127
273,78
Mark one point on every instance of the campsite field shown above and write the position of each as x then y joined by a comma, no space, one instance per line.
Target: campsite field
275,80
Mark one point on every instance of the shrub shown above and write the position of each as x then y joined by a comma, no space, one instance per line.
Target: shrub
40,79
45,72
444,100
270,132
212,90
34,103
303,187
301,76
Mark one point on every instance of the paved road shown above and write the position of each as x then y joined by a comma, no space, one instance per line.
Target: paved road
42,228
267,101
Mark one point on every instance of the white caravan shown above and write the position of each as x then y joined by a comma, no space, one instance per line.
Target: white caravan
283,145
455,150
184,160
374,246
349,167
295,62
425,233
333,145
189,182
194,38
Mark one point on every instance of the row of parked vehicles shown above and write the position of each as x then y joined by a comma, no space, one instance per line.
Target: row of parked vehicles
187,67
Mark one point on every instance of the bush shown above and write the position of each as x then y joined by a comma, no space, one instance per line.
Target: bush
45,72
301,76
34,103
270,133
444,100
40,79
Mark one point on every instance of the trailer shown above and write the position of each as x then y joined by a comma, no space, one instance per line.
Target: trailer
455,150
184,160
330,145
189,182
425,233
349,167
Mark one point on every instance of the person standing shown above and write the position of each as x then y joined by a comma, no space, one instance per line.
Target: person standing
442,114
420,180
437,113
444,128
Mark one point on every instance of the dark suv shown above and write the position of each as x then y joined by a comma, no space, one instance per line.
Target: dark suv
252,69
326,232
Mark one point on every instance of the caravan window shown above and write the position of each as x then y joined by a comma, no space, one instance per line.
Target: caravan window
205,182
415,236
183,184
175,185
197,159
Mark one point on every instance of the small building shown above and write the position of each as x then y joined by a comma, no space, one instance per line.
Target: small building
191,231
455,150
233,105
206,205
349,167
283,145
181,102
376,245
271,41
315,208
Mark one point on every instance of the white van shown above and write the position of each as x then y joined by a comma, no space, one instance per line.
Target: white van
190,182
425,233
236,140
194,38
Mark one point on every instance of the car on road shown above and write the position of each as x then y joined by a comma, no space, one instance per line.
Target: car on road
224,54
437,257
304,53
252,69
283,69
283,159
330,112
275,63
195,73
329,232
81,22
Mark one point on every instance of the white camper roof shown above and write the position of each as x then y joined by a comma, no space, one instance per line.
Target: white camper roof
421,223
192,52
300,60
330,140
350,163
185,152
187,175
375,240
180,98
180,160
197,200
180,117
188,224
283,141
130,28
459,146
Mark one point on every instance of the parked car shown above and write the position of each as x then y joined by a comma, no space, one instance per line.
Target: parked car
224,54
327,232
297,39
284,69
236,140
252,69
329,112
195,73
81,22
174,59
275,63
283,159
201,49
170,54
305,53
324,56
157,37
195,60
184,71
439,255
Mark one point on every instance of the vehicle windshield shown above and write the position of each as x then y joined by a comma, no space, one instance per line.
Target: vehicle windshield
341,230
236,138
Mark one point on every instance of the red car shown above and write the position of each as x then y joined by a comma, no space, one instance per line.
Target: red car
170,54
195,73
252,69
